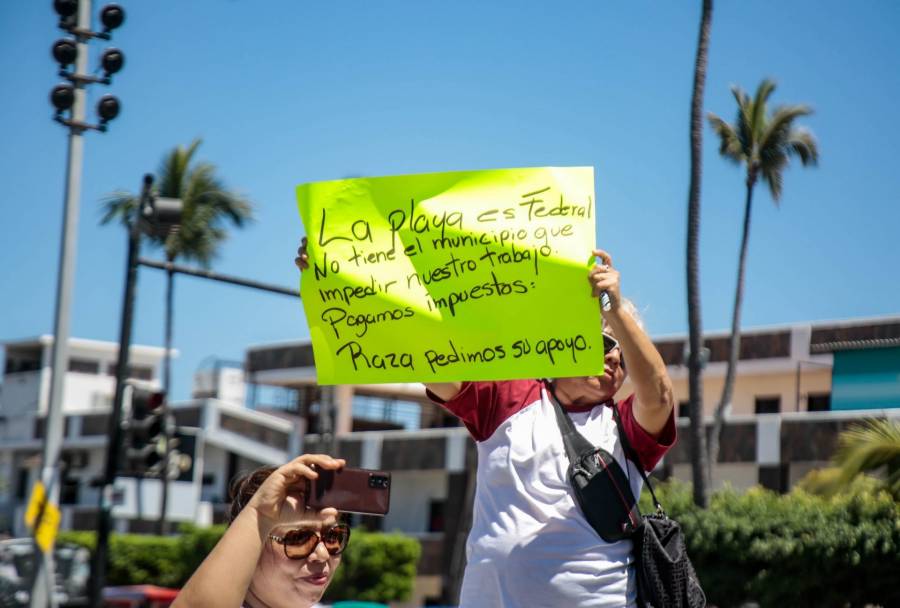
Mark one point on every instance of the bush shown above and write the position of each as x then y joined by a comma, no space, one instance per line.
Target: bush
137,559
194,544
376,567
792,550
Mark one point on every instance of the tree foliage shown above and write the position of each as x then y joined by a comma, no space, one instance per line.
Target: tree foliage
208,206
798,549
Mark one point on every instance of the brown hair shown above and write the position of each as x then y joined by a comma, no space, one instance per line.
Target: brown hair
243,487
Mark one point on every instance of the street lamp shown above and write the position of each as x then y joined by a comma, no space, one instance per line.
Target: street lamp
69,100
112,17
112,61
65,51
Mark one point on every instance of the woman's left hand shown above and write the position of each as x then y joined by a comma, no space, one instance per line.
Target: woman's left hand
604,278
302,259
282,494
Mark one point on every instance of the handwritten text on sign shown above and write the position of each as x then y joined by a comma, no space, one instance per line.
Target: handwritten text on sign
476,275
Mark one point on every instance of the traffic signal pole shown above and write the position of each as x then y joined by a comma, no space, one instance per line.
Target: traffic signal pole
114,433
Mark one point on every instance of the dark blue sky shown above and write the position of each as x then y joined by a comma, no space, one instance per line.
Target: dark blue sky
285,92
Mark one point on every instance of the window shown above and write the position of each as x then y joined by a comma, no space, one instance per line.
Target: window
135,372
84,366
138,372
684,409
68,492
768,405
774,477
818,402
15,365
22,484
436,515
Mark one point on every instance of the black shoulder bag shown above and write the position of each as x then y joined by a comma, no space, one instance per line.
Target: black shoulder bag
665,575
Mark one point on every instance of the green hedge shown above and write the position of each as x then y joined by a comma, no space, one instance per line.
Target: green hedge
797,549
137,559
376,567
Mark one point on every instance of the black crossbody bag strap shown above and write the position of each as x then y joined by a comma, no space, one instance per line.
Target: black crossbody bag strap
574,441
631,455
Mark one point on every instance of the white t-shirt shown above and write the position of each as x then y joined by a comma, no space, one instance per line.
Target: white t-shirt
530,545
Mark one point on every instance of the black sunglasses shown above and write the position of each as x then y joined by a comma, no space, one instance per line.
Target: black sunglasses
610,344
300,543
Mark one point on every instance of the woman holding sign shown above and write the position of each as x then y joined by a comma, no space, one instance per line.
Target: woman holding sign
530,544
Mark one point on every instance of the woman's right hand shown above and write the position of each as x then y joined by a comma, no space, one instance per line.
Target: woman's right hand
302,259
282,494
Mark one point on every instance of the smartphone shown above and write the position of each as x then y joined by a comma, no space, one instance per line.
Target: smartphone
351,490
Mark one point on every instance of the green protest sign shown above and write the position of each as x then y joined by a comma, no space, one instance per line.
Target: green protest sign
470,275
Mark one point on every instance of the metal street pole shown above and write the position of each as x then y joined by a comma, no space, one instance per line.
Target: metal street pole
215,276
161,527
42,594
114,433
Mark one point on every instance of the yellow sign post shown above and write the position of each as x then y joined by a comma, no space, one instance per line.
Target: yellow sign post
49,524
473,275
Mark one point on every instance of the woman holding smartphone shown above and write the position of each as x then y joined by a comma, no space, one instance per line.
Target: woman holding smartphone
276,552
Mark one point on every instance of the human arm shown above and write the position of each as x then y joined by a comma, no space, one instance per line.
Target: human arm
224,576
654,398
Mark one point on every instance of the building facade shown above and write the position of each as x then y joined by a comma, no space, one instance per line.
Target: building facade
797,388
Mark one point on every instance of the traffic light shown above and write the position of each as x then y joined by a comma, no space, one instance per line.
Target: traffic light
162,216
145,428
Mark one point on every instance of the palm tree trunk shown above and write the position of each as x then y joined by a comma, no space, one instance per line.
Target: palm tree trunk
728,389
698,436
167,386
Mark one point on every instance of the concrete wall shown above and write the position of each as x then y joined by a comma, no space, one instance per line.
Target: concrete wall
411,495
772,381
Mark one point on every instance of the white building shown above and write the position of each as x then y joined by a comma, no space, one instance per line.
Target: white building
221,436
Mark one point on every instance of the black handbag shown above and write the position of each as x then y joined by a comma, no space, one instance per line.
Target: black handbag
665,575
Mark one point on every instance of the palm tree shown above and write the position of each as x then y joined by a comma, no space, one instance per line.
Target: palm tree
764,144
698,435
871,446
207,206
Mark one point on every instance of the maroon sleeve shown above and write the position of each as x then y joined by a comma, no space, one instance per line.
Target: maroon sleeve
484,406
649,449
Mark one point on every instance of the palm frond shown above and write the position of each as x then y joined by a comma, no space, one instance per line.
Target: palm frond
771,167
118,205
743,122
803,143
779,126
868,447
175,168
729,142
760,102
